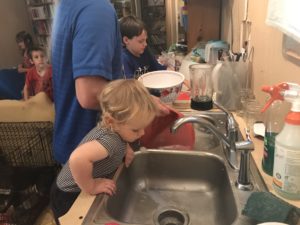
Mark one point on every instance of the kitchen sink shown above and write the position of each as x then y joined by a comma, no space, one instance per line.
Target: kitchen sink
173,187
158,180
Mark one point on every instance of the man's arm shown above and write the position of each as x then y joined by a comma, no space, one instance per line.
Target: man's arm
87,89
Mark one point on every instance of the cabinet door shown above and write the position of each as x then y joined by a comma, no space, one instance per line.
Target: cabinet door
153,14
203,21
124,7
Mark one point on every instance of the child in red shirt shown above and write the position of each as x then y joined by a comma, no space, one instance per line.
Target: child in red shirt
39,77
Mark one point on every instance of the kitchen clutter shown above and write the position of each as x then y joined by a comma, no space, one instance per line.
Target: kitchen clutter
252,113
214,72
232,81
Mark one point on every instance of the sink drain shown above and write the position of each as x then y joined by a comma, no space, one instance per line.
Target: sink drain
170,216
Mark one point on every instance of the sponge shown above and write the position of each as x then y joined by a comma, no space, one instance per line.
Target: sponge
266,207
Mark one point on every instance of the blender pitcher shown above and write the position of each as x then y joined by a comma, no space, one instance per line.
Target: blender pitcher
201,86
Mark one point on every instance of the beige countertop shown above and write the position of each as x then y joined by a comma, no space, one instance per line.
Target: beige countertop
82,204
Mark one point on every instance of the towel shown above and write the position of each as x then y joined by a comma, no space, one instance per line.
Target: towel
284,15
158,134
266,207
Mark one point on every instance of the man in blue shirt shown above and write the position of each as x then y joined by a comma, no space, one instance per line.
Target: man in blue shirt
86,54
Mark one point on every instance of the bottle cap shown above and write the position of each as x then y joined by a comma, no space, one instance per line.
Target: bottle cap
293,118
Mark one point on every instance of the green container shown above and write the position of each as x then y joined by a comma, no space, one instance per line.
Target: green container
269,149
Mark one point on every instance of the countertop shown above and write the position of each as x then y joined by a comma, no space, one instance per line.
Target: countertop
82,204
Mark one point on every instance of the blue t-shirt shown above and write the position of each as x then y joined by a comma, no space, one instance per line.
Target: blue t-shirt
135,66
86,41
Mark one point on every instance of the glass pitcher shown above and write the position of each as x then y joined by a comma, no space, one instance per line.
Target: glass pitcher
201,86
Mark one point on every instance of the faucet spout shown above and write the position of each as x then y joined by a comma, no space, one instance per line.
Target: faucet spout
192,119
230,145
245,147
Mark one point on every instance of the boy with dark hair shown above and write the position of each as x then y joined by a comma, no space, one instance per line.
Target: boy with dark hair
136,57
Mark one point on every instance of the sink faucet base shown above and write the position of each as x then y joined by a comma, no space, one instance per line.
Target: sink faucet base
244,187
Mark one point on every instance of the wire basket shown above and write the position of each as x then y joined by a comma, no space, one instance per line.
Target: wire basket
27,144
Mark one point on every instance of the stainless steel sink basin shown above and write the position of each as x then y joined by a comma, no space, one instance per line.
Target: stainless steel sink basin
168,187
157,181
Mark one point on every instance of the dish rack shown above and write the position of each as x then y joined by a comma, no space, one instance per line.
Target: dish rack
27,144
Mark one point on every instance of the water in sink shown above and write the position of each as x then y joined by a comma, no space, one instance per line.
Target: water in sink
195,184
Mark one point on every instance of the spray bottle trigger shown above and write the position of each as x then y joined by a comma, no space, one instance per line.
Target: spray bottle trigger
275,92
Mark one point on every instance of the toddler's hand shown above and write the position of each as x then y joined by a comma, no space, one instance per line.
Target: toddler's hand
104,185
163,108
129,155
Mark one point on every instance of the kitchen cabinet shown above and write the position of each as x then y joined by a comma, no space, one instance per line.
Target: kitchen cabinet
204,21
124,7
161,18
153,14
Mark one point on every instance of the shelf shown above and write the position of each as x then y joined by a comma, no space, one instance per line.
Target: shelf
41,13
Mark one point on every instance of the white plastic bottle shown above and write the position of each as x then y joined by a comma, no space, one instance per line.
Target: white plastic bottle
286,172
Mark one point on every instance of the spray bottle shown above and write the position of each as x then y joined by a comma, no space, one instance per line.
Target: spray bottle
274,120
286,172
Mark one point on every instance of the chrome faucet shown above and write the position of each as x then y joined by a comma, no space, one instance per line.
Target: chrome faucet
231,142
231,132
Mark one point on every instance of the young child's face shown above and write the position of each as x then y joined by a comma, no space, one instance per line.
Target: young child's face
39,59
137,44
134,129
21,45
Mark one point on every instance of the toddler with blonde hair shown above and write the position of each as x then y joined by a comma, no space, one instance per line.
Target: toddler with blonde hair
127,109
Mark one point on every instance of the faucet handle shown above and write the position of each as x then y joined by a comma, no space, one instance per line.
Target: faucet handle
247,132
243,182
246,145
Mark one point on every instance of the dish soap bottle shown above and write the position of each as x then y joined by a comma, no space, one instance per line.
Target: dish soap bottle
273,123
286,175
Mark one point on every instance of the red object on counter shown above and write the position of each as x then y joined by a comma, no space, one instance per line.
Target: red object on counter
184,96
158,134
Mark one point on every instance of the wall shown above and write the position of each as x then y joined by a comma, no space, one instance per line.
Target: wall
269,64
13,18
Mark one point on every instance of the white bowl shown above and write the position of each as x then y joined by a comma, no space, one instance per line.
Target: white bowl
165,84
